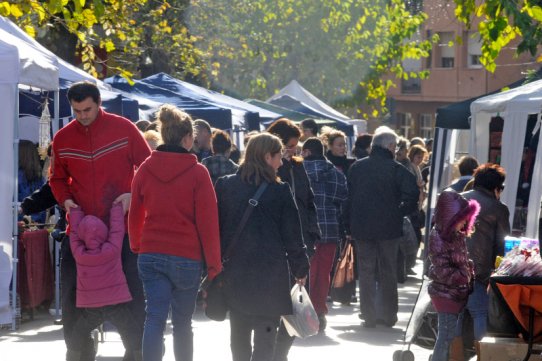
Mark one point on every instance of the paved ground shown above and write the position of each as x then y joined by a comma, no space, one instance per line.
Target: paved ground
344,339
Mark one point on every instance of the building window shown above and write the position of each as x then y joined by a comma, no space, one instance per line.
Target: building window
411,86
474,50
447,62
447,50
426,126
404,121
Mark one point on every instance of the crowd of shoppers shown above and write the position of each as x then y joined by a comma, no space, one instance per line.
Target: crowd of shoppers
152,228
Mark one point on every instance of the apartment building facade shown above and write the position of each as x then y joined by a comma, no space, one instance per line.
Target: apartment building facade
455,72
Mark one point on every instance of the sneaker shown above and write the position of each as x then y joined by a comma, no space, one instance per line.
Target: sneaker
323,322
368,324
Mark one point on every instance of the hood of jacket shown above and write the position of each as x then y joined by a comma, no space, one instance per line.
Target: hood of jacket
319,170
169,162
452,209
92,231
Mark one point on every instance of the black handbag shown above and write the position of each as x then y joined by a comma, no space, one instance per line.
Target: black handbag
216,305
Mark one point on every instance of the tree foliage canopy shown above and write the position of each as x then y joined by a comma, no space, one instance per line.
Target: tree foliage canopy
343,49
501,21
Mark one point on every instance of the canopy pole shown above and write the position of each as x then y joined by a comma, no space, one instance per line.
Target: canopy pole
15,202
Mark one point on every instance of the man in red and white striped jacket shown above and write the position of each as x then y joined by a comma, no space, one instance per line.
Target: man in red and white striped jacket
94,160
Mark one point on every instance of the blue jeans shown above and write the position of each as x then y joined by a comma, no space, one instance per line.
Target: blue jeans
477,305
447,323
169,281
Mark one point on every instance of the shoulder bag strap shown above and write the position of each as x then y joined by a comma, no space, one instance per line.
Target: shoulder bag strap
252,203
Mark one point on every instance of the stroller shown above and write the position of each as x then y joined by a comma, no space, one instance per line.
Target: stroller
421,328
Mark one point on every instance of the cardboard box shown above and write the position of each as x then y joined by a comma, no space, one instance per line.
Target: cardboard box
507,349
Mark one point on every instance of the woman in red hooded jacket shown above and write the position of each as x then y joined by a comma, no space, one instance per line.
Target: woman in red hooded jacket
173,226
451,271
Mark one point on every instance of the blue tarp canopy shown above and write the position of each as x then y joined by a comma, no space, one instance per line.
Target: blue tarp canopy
242,112
30,102
289,102
216,116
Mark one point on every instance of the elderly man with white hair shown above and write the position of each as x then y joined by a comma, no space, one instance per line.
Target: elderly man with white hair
381,193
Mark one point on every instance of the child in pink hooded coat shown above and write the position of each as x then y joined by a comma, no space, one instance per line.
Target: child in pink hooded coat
102,290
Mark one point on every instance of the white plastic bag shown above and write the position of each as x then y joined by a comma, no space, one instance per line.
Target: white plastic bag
304,322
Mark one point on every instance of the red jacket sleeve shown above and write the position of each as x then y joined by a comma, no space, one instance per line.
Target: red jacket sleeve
59,180
136,215
76,244
116,226
207,221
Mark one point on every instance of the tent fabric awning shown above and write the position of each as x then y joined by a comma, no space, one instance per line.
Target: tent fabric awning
289,102
296,91
217,117
456,115
170,83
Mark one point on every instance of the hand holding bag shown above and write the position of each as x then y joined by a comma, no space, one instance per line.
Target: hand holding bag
216,306
304,321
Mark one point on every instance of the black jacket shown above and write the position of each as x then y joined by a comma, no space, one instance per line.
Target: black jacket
487,240
342,163
304,198
269,248
41,200
380,193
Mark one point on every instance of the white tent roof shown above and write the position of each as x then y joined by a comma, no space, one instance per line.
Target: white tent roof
526,98
295,90
66,70
21,64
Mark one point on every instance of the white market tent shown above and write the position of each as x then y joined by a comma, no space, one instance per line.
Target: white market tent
514,106
295,90
65,70
20,64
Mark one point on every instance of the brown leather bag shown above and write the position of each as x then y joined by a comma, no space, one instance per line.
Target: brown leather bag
344,271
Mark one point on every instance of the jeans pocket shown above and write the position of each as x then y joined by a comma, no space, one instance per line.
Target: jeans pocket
187,274
148,269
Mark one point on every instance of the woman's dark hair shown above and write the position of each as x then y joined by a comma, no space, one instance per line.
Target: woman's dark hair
29,160
315,146
309,124
489,176
363,142
81,90
220,142
285,129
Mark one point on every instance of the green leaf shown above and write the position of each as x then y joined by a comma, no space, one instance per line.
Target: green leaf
537,13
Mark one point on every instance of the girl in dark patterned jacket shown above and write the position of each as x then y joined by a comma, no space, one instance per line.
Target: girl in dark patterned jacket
451,271
330,192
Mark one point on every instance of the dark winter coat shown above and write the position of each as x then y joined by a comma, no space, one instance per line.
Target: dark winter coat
26,188
487,240
269,248
304,199
451,272
330,192
380,193
342,163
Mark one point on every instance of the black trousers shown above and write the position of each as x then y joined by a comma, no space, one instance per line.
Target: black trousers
119,315
377,262
68,284
242,327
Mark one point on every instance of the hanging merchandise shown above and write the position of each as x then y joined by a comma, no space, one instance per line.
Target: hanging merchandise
45,129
